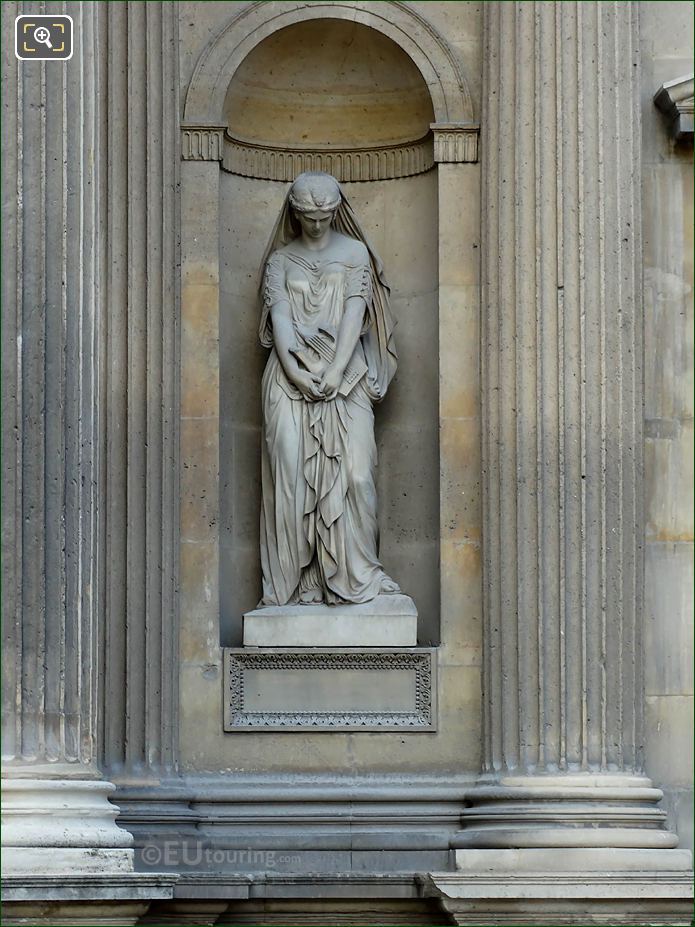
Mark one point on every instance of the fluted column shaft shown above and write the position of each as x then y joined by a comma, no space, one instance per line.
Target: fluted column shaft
50,419
562,420
90,213
562,381
139,193
56,813
91,393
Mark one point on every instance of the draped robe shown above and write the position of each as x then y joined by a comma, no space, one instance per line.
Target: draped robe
318,517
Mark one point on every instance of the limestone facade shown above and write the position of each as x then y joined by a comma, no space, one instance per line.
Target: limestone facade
536,462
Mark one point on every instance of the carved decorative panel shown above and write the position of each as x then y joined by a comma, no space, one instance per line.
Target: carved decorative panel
330,689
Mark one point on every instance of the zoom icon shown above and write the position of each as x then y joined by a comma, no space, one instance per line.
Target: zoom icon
43,38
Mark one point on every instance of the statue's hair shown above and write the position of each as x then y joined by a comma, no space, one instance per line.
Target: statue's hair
314,191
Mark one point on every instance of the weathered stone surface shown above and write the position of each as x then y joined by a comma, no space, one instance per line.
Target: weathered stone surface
668,621
70,899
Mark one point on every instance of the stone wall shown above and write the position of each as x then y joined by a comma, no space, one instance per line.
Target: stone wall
131,493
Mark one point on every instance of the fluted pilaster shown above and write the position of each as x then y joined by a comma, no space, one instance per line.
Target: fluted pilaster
562,346
140,388
54,798
90,419
50,419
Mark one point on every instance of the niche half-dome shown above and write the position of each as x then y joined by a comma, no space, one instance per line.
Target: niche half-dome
331,95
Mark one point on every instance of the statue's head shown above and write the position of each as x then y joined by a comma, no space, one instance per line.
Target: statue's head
314,191
314,198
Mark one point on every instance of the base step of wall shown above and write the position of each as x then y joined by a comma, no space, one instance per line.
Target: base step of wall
305,913
88,899
487,897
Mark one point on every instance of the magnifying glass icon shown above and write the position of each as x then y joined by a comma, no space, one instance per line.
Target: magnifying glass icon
43,35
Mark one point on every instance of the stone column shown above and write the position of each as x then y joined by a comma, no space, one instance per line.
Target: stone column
562,447
63,855
563,799
56,813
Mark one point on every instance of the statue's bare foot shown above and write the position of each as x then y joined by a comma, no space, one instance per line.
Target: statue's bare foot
311,596
389,587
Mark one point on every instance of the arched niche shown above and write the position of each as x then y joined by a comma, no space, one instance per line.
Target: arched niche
226,219
318,86
331,84
430,53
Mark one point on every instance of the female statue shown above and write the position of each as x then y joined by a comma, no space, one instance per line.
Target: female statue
325,316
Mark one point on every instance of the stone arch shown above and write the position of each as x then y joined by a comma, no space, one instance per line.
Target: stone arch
432,55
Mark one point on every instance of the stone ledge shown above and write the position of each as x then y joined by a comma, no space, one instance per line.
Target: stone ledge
89,900
64,886
600,860
584,886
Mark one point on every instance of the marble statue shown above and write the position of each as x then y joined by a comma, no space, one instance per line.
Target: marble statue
325,316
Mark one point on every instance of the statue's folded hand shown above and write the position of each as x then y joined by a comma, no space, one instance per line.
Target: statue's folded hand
308,385
330,382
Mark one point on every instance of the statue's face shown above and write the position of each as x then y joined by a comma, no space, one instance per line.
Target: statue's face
315,224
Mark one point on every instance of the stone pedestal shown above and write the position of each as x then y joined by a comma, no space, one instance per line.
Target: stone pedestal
387,621
331,668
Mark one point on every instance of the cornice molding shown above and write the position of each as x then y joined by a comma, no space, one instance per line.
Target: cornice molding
455,142
675,99
202,143
382,163
445,143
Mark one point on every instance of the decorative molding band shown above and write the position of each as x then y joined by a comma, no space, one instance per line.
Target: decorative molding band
387,163
380,690
455,143
447,143
202,143
268,787
676,99
566,811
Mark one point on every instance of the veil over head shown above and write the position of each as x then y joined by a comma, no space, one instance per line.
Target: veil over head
320,191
